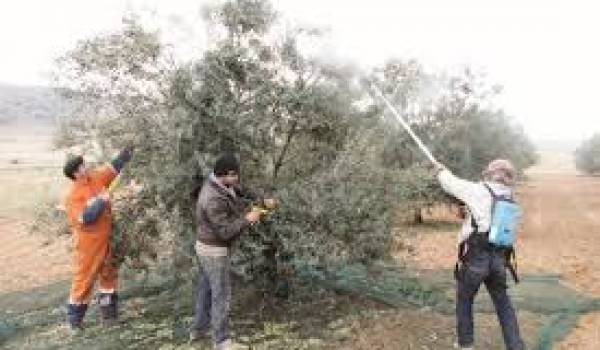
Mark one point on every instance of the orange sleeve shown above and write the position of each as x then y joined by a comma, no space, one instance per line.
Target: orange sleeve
75,204
104,175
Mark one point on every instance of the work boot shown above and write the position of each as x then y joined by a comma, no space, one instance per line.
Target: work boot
108,308
230,345
75,314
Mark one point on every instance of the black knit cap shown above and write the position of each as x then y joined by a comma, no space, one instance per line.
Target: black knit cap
225,163
71,166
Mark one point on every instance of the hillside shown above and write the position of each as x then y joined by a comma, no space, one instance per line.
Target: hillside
30,104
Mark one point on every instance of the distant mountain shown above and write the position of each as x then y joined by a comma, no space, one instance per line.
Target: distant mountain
30,104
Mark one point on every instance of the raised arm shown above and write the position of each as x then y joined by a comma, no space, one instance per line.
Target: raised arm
106,174
461,189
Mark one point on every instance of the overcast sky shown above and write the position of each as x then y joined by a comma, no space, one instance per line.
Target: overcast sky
544,53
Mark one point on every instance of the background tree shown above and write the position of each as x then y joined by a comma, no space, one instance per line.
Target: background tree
455,117
587,155
305,129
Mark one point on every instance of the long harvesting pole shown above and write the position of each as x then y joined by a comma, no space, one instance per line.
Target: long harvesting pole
407,127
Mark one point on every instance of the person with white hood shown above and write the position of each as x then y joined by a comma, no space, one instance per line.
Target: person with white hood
479,260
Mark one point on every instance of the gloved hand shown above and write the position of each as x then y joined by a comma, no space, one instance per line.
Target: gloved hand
253,216
270,203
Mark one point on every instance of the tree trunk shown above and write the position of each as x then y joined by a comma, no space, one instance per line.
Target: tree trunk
288,141
418,216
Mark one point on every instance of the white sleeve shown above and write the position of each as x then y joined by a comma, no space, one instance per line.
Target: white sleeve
459,188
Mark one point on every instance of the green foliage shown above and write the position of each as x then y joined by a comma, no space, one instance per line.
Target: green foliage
587,155
481,137
453,115
243,16
307,130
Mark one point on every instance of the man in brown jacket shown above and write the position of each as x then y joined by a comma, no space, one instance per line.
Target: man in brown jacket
221,218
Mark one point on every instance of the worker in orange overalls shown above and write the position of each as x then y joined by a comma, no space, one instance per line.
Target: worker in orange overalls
89,213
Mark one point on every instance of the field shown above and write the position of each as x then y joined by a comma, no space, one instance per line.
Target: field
29,175
558,239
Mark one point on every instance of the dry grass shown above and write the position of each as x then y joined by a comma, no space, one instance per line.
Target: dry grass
557,161
29,175
558,236
27,261
586,334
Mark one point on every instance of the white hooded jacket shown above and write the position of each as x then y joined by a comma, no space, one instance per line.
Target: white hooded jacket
477,199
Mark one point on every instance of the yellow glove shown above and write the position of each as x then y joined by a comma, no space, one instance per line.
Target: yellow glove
113,185
263,211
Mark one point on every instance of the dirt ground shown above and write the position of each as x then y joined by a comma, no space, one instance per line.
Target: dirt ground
414,329
29,175
28,261
559,235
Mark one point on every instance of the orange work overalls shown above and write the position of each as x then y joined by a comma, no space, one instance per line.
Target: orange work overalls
91,242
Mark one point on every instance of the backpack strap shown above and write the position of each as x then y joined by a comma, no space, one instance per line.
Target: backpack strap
494,196
494,200
462,251
474,225
511,263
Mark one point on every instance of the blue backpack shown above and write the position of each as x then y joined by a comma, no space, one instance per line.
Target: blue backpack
506,214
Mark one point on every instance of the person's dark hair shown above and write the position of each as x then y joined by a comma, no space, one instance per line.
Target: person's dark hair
225,163
71,166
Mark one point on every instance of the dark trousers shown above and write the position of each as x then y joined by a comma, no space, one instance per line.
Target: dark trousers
488,267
